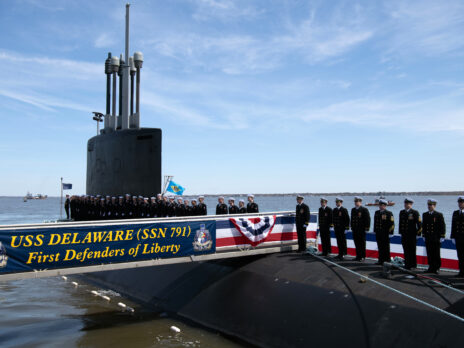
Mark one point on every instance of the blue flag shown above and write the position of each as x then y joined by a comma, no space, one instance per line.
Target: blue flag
67,186
174,188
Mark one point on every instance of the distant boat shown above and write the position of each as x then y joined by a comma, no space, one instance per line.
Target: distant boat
390,203
37,196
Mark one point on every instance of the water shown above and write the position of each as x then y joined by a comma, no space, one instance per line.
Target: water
52,312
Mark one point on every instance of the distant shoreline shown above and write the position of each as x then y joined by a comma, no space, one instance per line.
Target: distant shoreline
418,193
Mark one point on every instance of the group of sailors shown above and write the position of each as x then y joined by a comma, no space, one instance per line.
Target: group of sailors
88,208
431,226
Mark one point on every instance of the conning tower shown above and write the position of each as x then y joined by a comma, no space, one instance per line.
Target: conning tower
124,158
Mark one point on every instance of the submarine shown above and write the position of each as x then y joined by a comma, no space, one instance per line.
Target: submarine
283,299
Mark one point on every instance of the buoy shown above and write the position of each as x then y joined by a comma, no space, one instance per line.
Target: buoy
106,298
74,283
175,329
64,278
120,304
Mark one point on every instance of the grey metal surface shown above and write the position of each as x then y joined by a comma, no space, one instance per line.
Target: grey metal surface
127,161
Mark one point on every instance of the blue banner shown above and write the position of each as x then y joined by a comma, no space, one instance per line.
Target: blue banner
63,247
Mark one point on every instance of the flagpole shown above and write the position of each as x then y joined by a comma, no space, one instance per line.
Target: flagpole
61,201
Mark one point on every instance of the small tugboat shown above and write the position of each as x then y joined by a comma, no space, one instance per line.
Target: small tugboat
390,203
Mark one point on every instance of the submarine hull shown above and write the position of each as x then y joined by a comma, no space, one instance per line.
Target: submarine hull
297,300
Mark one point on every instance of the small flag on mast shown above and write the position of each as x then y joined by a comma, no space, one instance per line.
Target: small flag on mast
67,186
175,188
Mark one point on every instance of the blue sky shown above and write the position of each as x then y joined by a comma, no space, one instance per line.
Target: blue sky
252,96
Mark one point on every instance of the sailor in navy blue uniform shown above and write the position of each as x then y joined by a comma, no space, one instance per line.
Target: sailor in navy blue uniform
457,233
194,207
410,228
241,207
302,217
360,224
325,224
221,208
66,206
180,208
384,226
433,231
341,221
252,207
202,208
233,209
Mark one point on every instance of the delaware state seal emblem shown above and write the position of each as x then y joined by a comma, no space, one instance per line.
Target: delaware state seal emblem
202,241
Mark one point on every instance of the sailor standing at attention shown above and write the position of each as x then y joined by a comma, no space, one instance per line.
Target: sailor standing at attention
457,234
233,209
410,228
341,221
302,221
384,225
66,206
221,208
202,208
433,230
360,224
325,224
241,207
252,207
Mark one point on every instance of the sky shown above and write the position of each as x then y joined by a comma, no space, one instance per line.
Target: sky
252,96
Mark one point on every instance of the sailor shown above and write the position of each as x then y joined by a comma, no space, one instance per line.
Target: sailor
433,231
302,217
153,207
111,209
145,208
187,207
341,222
202,208
410,228
132,208
457,233
360,224
171,207
180,207
325,225
241,207
194,208
66,206
233,209
102,209
221,208
72,205
252,207
121,208
384,225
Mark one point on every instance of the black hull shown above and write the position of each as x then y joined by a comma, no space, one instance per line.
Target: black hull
294,300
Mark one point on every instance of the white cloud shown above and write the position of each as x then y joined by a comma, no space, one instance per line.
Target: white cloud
225,10
428,27
104,40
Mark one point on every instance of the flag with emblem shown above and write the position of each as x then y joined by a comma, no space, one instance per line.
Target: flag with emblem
175,188
256,230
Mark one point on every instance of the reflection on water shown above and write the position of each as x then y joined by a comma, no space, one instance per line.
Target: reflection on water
54,313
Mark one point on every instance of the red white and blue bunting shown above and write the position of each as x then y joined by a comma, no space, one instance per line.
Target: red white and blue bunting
257,229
